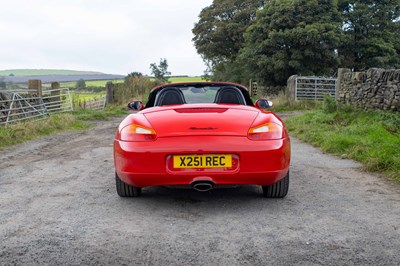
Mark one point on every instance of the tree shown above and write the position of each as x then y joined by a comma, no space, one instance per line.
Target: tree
133,75
218,35
80,84
372,33
160,72
292,37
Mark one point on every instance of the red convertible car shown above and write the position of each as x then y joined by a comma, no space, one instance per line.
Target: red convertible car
201,135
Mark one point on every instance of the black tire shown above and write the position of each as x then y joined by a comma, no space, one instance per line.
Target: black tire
125,190
277,190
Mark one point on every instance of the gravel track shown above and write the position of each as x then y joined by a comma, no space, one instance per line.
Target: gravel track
58,206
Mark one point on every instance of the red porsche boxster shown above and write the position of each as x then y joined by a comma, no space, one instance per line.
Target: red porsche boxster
202,135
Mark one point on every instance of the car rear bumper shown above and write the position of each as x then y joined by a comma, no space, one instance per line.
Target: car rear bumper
144,164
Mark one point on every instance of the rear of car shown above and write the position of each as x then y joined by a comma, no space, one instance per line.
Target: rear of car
202,145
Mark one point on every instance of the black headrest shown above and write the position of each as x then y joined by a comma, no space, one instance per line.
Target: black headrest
230,95
168,96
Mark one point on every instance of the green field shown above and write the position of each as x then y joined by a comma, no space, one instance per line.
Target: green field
39,72
90,83
78,98
86,95
102,83
185,79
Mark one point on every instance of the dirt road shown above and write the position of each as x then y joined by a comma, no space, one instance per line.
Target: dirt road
58,206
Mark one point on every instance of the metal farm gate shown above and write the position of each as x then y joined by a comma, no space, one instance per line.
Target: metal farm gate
314,88
20,106
16,106
57,100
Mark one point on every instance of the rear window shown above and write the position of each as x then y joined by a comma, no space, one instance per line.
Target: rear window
199,95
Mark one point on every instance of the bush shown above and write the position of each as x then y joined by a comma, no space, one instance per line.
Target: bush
80,84
329,105
134,88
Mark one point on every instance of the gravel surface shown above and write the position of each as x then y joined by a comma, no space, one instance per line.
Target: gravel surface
58,206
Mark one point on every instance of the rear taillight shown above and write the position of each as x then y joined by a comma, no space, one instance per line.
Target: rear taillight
267,131
138,133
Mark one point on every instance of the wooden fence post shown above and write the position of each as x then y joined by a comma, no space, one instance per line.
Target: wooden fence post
55,87
291,88
55,94
110,93
36,85
254,88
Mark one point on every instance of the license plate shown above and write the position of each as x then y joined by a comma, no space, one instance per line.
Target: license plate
203,161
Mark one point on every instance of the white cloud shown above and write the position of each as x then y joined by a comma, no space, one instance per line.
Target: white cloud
110,36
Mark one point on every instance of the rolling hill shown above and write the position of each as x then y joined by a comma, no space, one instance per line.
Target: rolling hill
20,76
44,72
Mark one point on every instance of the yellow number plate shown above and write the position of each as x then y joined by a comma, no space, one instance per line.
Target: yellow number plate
203,161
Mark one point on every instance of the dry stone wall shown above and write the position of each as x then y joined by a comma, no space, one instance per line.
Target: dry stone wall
268,91
375,88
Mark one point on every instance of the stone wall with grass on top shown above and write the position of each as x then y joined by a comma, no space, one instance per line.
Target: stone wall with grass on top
375,88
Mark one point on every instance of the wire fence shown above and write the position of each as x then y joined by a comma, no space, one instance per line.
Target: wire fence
96,104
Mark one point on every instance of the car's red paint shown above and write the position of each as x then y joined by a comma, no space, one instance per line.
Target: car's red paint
204,119
196,129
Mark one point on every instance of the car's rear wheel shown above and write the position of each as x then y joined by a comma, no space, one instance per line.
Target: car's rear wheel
125,190
277,190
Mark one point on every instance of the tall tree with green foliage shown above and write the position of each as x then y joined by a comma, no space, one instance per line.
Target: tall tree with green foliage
372,33
218,35
293,37
160,71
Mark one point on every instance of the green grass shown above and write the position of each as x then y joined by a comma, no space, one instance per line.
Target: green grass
282,104
18,133
78,95
21,132
88,95
185,79
109,111
370,137
33,72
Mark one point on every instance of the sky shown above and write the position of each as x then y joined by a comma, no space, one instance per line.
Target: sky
114,37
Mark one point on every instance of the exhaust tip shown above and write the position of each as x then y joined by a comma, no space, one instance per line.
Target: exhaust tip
203,186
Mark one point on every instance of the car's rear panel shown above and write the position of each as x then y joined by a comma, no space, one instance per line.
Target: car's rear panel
254,162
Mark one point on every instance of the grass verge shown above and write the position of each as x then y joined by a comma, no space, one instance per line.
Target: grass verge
21,132
371,137
282,104
109,111
18,133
